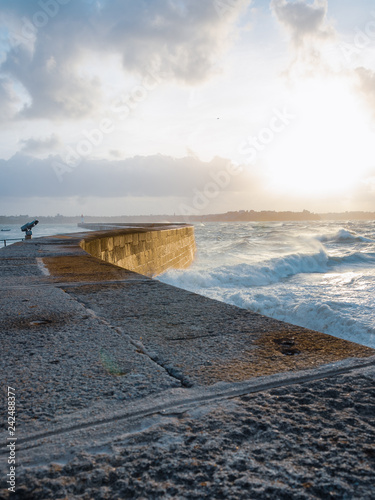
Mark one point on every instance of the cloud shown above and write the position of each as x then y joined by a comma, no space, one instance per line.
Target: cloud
139,185
154,184
50,45
311,34
303,20
366,86
37,146
308,29
8,100
140,176
180,39
55,88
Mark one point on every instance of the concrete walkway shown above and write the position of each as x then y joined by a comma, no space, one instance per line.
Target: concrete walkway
130,388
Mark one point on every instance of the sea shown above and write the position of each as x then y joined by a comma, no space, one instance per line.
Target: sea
319,275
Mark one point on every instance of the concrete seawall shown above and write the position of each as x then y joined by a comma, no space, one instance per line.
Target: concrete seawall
145,250
130,388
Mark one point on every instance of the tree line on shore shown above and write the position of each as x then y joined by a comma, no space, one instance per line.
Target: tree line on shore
233,216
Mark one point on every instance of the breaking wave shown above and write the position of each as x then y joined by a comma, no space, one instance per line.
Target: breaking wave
319,276
343,236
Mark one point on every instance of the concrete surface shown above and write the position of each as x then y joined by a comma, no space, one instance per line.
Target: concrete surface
130,388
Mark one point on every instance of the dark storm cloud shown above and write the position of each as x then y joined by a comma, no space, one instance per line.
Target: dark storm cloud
156,176
180,39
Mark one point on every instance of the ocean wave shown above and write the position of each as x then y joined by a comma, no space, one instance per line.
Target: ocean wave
320,276
354,258
343,236
344,320
248,275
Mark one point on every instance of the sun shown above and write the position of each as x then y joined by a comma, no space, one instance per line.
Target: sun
328,146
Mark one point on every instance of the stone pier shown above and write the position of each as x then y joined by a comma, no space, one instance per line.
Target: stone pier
130,388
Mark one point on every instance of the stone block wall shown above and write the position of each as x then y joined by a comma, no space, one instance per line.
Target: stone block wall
148,252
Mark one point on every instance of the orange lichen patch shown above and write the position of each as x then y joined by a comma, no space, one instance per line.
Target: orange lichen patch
83,268
277,352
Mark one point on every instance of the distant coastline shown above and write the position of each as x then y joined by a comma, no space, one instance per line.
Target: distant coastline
238,216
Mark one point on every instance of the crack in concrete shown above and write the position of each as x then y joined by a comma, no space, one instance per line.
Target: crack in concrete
171,371
194,338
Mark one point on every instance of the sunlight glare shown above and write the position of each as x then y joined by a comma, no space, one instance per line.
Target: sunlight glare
328,146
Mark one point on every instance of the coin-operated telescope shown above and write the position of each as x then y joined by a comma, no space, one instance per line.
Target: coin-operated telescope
28,227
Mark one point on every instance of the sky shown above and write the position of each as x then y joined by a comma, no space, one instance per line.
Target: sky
124,107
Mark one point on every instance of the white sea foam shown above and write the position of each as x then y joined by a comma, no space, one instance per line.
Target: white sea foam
341,319
246,275
318,275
